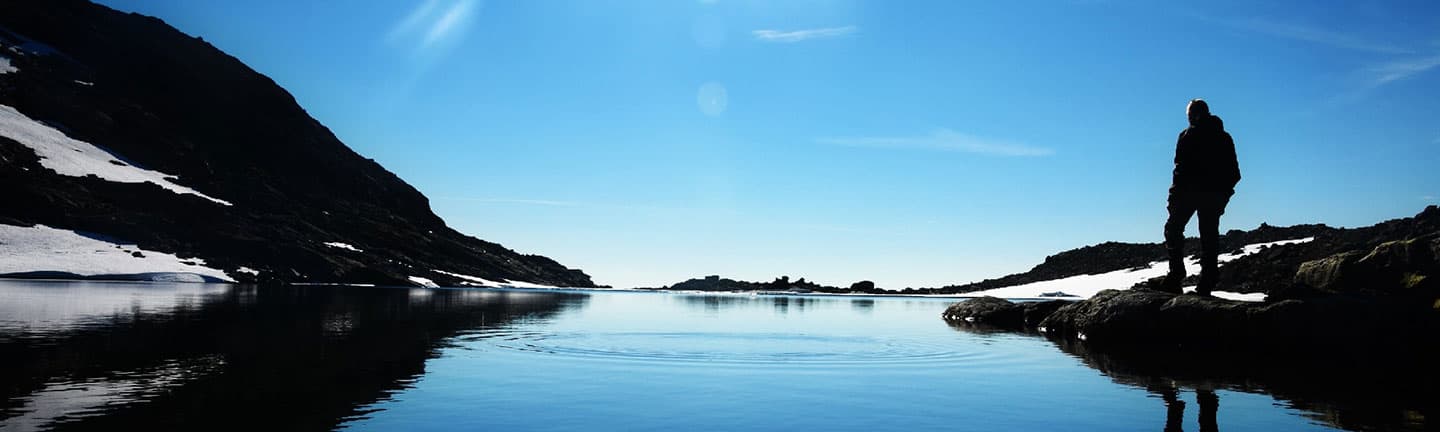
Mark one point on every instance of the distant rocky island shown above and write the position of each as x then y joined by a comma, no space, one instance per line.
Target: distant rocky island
130,150
781,284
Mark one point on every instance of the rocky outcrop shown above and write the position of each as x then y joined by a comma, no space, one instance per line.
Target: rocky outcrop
1268,271
1000,313
1402,268
161,99
1139,318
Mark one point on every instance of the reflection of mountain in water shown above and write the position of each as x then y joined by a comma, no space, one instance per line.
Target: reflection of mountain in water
1351,391
302,358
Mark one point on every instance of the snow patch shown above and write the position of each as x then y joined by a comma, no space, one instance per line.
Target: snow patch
248,271
523,284
471,280
1086,286
346,246
5,66
427,283
75,158
41,250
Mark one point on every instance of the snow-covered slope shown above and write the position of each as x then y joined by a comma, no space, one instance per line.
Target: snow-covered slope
1085,286
76,158
43,249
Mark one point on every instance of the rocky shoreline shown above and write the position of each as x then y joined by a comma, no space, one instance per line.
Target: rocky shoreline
1356,333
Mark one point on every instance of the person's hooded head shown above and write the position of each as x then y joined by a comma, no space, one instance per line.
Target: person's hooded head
1198,114
1198,111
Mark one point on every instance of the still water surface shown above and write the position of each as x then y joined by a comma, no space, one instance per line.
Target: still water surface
88,355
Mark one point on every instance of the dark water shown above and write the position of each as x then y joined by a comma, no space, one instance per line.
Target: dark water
118,356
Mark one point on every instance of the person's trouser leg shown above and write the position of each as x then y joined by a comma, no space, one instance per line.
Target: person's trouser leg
1209,215
1180,207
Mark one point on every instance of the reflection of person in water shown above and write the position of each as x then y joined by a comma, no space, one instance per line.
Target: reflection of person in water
1175,408
1205,175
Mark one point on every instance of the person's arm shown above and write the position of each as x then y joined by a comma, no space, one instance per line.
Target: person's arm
1178,174
1232,162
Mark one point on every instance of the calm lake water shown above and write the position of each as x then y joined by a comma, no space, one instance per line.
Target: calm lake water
122,356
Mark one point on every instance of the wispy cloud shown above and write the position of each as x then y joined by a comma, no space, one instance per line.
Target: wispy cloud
434,21
1430,198
791,36
1401,69
944,140
1318,35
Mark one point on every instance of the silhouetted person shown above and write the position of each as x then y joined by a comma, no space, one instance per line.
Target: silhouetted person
1205,176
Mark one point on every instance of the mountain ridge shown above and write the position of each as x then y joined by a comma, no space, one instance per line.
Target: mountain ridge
162,100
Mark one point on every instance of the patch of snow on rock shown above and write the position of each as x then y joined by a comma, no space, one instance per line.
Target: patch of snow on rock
427,283
471,280
1086,286
71,157
5,66
44,249
346,246
248,271
523,284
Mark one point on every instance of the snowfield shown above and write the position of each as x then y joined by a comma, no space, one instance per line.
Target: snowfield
75,158
471,280
427,283
346,246
1085,286
44,249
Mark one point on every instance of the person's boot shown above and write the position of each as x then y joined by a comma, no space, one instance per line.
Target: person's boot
1208,280
1172,281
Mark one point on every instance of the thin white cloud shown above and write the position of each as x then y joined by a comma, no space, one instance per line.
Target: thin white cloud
1401,69
454,18
943,140
434,21
1307,33
791,36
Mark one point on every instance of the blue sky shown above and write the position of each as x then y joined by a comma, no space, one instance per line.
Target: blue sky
909,143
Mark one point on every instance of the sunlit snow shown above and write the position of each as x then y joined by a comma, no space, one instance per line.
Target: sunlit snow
427,283
1085,286
77,158
471,280
5,66
44,249
346,246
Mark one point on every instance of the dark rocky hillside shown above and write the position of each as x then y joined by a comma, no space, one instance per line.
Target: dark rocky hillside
158,98
1271,269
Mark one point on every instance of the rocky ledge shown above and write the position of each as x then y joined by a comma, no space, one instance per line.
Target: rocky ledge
1381,299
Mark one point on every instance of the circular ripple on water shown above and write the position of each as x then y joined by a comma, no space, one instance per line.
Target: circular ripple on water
728,348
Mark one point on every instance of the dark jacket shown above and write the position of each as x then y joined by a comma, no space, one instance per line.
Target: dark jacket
1205,159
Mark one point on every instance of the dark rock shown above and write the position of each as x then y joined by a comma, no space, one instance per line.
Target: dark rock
1326,274
1036,312
1403,267
1110,315
987,310
863,286
137,254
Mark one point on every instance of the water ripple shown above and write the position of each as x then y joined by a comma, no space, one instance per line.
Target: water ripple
727,348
